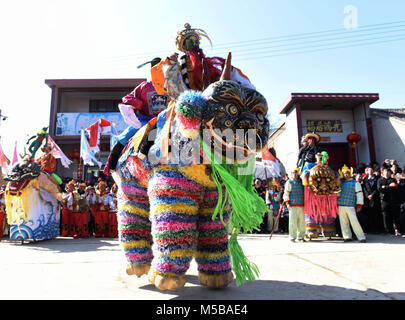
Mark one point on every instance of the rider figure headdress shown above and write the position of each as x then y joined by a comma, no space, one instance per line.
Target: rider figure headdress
189,38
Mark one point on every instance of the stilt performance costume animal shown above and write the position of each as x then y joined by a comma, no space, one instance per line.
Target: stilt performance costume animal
176,201
181,205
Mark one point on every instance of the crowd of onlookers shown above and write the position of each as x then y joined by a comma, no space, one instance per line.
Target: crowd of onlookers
88,209
383,211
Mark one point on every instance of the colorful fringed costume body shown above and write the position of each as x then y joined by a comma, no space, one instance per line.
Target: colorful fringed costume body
175,203
321,187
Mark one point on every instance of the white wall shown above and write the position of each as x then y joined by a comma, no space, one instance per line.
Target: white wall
285,142
389,137
360,126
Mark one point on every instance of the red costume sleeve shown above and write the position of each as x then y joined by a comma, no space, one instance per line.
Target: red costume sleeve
139,99
133,99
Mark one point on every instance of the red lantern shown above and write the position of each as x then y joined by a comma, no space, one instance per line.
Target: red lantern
74,155
353,138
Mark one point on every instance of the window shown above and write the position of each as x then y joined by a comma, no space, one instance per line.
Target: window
104,105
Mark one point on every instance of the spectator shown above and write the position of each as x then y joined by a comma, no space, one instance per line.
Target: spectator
401,191
395,169
301,152
389,196
386,164
91,198
261,191
371,208
273,204
375,166
361,215
361,168
393,162
284,218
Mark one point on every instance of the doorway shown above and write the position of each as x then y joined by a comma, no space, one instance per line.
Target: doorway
338,154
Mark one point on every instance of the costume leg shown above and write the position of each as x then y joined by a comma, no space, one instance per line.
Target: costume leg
311,227
300,223
212,256
134,226
345,222
173,206
354,222
328,227
292,223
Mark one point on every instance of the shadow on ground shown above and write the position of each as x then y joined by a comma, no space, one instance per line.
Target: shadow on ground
274,290
64,244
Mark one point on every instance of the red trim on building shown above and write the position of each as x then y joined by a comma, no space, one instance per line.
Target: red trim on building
299,123
370,137
328,97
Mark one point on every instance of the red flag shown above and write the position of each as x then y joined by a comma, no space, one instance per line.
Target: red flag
101,126
266,155
58,153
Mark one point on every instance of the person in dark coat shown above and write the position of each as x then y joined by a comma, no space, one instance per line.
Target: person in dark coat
400,177
372,208
309,151
302,151
390,201
261,191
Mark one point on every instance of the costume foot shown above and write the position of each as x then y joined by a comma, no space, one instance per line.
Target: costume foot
215,281
138,269
165,282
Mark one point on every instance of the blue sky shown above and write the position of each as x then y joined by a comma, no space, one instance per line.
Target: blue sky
51,39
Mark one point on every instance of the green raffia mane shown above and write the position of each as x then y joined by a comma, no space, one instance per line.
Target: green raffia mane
247,213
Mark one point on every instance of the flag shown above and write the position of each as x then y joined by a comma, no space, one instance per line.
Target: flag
58,153
268,167
101,126
86,153
266,155
3,161
15,156
114,136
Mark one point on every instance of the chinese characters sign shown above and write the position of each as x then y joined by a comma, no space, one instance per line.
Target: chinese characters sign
320,126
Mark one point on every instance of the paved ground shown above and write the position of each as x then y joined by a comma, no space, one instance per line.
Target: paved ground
67,268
